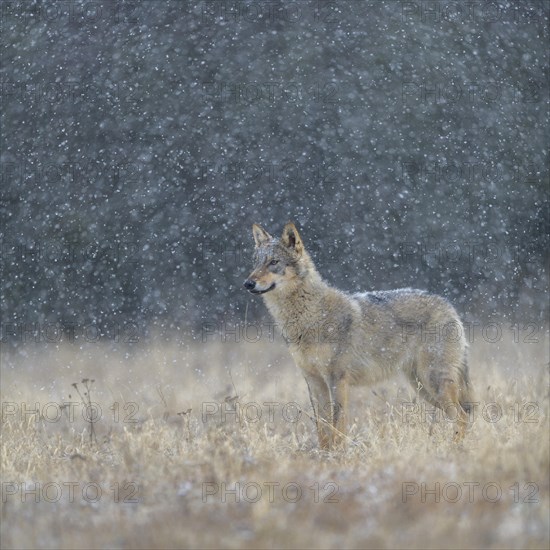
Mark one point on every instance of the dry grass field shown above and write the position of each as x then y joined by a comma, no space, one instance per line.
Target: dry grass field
170,464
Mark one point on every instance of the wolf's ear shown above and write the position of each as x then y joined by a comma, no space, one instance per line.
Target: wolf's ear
291,238
260,235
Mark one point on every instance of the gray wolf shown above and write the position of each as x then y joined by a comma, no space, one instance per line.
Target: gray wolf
339,339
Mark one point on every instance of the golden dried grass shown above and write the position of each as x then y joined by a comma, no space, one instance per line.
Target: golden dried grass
176,464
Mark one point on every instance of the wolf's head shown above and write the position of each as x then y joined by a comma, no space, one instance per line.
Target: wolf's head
278,263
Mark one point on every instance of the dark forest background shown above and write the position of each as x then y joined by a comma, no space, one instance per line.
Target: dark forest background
140,140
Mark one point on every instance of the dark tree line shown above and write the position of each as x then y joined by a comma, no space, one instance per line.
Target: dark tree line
140,140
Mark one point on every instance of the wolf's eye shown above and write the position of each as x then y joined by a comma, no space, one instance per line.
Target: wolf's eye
273,262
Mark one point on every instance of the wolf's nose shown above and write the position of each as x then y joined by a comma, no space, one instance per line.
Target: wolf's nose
249,284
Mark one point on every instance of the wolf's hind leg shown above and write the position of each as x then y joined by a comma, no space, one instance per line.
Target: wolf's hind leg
442,392
449,398
445,393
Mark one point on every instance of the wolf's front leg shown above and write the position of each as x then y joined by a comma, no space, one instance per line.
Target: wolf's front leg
339,394
319,394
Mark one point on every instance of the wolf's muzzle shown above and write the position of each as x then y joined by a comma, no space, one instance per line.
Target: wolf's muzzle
250,285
